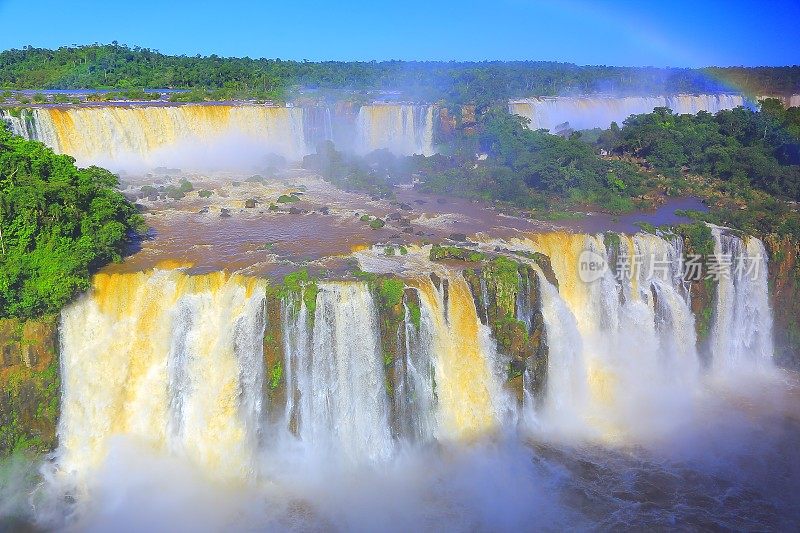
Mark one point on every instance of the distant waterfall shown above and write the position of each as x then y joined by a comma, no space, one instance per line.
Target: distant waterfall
403,129
210,136
586,112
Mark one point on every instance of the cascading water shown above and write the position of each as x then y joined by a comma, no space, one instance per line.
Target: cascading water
176,363
471,402
636,329
599,112
403,129
170,359
339,377
741,336
415,394
218,136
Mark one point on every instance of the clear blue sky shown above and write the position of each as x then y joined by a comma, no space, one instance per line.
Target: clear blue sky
643,32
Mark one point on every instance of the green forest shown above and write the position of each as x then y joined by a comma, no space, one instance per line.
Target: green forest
744,164
58,224
116,66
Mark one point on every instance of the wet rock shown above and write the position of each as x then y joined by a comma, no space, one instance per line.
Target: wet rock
250,203
394,216
224,213
295,211
458,237
420,202
406,207
408,230
324,210
203,211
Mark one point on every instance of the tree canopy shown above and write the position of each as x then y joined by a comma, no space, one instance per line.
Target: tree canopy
116,66
58,222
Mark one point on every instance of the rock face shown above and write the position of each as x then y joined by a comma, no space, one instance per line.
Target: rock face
508,299
29,385
784,284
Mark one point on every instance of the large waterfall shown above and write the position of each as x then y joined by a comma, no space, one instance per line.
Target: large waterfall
404,411
219,136
588,112
178,360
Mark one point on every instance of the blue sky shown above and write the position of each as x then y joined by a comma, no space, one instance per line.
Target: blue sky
658,33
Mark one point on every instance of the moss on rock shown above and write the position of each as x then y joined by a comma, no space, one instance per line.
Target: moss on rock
29,385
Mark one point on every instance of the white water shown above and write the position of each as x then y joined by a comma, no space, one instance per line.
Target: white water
403,129
599,112
164,418
741,335
175,363
211,137
340,382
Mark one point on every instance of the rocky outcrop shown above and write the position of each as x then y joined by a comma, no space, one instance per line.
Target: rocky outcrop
508,299
698,241
29,385
784,284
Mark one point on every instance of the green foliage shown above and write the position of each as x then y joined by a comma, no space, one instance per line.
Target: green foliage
414,313
739,146
376,223
529,169
374,173
503,274
59,224
299,283
698,237
439,253
287,199
368,277
646,227
205,193
365,218
122,67
391,291
276,374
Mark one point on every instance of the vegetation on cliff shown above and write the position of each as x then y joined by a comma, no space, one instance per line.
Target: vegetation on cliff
58,224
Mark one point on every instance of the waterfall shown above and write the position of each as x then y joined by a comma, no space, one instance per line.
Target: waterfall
177,361
468,387
402,128
170,359
599,112
630,334
741,335
210,136
340,383
566,389
415,394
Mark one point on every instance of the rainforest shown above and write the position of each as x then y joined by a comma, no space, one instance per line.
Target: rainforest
275,294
